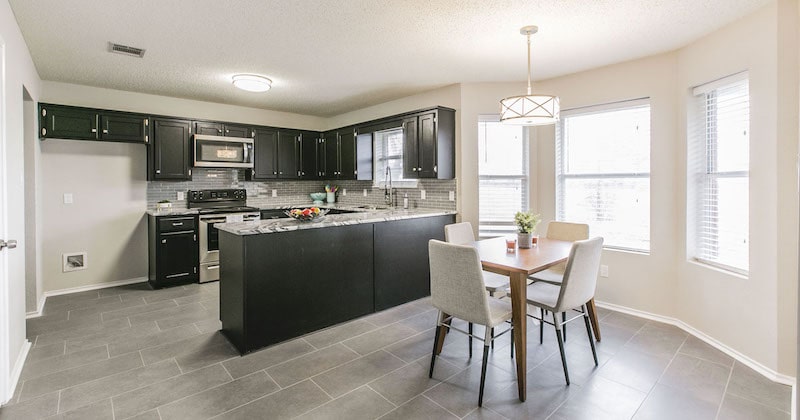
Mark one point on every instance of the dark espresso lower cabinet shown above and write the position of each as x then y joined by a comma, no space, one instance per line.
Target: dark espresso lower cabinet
277,286
174,254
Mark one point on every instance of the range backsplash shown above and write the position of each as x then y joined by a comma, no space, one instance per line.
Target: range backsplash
296,192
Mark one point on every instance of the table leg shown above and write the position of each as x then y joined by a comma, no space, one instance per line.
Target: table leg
442,332
519,305
593,318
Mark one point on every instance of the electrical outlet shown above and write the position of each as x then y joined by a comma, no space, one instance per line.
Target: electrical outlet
344,191
67,198
422,194
181,196
274,193
365,192
452,196
603,271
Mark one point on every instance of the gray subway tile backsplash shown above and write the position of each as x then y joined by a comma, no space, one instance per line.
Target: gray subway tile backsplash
291,192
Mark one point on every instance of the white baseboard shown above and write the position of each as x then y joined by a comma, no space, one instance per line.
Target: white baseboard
58,292
17,371
747,361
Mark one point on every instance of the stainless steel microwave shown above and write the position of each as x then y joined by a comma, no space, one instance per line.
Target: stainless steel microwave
222,152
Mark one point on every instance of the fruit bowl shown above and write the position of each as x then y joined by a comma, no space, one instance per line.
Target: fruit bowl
306,215
317,197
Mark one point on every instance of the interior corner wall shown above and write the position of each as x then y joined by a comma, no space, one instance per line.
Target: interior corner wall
19,73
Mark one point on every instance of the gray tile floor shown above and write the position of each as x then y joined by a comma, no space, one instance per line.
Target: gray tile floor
131,352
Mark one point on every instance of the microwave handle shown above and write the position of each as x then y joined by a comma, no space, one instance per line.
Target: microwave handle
246,153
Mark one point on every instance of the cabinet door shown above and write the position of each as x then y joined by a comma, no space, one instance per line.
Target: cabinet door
288,153
171,149
237,131
347,155
265,155
426,145
331,168
126,128
208,128
68,123
410,145
308,155
178,257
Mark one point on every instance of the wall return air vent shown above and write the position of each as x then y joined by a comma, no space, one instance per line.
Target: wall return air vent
125,50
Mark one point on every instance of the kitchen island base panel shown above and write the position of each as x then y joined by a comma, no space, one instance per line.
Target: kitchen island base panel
280,285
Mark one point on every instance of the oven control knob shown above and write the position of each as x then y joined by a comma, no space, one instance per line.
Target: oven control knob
201,195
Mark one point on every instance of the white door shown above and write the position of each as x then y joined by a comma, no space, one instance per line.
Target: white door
5,311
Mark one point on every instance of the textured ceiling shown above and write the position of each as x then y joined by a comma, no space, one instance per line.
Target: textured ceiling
330,57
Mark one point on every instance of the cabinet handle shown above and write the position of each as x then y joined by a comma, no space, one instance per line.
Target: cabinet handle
280,173
158,171
177,275
435,168
44,112
94,130
163,241
414,169
273,172
212,267
177,223
194,237
44,130
219,131
227,131
105,131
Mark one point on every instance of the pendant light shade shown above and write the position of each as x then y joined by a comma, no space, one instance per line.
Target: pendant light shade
530,109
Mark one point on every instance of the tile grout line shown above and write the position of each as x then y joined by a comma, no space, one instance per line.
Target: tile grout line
443,408
725,391
671,361
380,395
758,402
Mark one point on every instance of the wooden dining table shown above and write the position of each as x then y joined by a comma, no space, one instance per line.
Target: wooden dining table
518,266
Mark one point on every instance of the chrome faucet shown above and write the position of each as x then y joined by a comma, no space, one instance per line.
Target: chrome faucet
387,188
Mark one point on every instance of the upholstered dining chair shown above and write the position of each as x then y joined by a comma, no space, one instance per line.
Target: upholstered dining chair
577,287
462,233
565,231
458,291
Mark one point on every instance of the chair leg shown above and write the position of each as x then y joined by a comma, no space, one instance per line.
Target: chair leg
470,340
512,340
492,345
557,325
435,342
541,326
487,339
564,325
593,318
589,332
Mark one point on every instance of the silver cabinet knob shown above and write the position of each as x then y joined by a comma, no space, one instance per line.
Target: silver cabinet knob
105,131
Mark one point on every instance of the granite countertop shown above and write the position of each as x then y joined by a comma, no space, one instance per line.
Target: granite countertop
172,212
362,216
185,211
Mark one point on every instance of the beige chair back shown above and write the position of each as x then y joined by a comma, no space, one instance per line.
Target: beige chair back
457,286
459,233
580,276
565,231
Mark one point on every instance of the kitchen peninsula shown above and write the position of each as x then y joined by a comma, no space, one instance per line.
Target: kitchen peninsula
282,278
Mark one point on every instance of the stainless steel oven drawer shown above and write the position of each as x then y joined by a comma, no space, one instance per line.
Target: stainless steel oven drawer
209,272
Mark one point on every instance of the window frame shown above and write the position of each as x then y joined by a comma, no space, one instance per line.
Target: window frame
378,173
700,142
561,177
525,180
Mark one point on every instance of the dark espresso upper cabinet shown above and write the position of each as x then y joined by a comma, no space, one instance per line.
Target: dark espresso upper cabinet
76,123
169,157
265,158
429,144
288,154
212,128
64,122
124,128
309,155
344,154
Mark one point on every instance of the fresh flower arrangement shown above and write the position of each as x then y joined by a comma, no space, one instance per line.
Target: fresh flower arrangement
306,215
526,221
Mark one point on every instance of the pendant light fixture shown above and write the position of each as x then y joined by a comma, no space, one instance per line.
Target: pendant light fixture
529,109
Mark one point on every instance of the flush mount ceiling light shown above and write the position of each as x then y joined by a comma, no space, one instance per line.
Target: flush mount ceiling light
529,109
252,82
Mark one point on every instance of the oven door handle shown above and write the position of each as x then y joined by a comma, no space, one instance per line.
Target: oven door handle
212,221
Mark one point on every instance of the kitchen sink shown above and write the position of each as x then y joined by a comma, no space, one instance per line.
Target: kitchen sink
372,207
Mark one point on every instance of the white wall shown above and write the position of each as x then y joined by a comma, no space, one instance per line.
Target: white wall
19,72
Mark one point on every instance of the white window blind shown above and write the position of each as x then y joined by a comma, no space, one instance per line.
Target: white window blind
719,172
503,175
388,152
603,172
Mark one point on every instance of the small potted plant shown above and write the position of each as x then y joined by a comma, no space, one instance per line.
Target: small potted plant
526,223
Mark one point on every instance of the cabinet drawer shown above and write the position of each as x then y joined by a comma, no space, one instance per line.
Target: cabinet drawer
174,224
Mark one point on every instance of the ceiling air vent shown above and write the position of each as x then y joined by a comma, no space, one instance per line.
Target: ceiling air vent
125,50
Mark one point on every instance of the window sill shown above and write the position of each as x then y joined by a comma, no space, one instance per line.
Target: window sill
719,269
627,250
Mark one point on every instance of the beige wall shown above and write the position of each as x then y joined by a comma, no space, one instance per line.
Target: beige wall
18,72
755,316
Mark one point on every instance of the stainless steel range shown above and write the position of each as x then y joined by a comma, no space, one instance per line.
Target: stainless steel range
217,206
